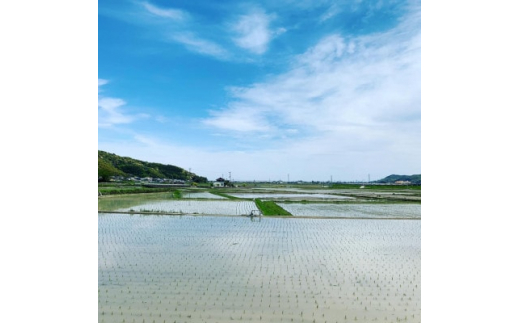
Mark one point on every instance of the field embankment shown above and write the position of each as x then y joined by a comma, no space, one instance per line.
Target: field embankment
270,208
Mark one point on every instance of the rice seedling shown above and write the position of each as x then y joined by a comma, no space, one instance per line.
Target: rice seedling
405,211
195,207
223,269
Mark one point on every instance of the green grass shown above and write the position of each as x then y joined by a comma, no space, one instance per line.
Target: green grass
114,191
225,195
270,208
177,194
114,188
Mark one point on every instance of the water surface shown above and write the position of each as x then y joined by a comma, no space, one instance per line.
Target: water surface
224,269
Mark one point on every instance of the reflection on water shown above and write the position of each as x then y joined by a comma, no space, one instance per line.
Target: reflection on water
290,196
112,203
223,269
401,210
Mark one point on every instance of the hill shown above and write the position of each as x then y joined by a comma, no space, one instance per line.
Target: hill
113,165
414,179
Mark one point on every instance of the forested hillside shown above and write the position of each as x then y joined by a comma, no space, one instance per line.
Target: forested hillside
113,165
414,179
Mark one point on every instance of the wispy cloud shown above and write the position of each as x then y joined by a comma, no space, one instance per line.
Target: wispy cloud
110,110
174,14
110,114
253,32
202,46
345,104
101,82
239,119
366,89
171,25
324,55
332,11
146,140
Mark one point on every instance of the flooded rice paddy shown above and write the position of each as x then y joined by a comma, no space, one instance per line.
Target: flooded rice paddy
236,269
289,196
202,195
402,211
195,207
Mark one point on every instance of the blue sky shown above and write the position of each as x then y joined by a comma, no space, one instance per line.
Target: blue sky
309,89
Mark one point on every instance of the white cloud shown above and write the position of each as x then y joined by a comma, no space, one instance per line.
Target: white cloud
347,96
352,103
173,26
351,47
309,160
332,86
331,12
110,104
174,14
253,33
150,142
110,114
324,53
193,43
238,119
110,110
102,82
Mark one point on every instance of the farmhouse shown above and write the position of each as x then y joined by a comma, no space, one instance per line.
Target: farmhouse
219,182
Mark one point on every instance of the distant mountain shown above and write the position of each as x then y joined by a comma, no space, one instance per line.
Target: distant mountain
113,165
414,179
